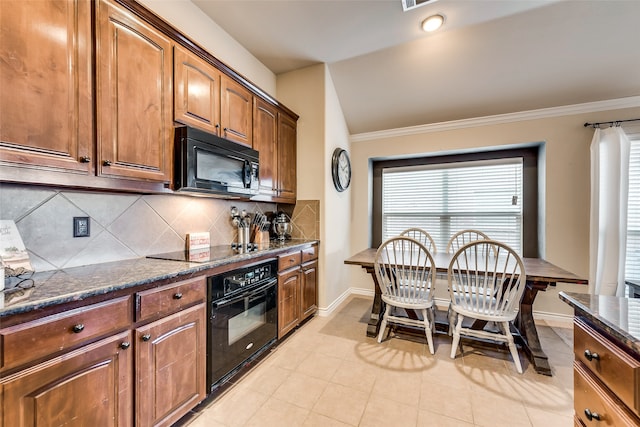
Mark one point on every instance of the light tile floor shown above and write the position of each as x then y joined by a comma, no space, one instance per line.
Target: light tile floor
328,373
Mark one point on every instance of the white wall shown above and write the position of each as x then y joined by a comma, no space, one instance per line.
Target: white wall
566,183
195,24
337,205
321,128
303,92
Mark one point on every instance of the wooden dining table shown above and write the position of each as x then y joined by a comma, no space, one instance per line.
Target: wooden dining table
540,275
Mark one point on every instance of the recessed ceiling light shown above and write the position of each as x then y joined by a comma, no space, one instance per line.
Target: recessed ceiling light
432,23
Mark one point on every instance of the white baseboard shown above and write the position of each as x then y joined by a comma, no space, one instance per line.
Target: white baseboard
327,311
554,319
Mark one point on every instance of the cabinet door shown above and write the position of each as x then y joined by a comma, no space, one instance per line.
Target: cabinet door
91,386
196,85
309,292
134,96
236,112
288,301
265,140
46,117
170,367
286,175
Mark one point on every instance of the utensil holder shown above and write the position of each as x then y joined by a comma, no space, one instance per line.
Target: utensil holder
261,238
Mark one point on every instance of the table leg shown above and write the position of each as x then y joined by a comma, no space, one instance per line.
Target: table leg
527,328
376,309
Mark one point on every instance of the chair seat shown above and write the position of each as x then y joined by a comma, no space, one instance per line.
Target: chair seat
416,304
479,313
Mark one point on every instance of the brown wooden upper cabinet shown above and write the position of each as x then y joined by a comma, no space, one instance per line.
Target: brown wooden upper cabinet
65,121
134,96
46,117
287,135
236,112
196,86
265,140
206,98
274,136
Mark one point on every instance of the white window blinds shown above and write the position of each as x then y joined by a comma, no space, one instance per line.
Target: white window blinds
446,198
632,269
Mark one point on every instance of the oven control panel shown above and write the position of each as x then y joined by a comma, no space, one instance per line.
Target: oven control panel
246,277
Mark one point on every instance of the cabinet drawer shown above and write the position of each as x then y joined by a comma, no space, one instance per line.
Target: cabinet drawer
309,254
289,260
170,298
40,338
591,397
615,368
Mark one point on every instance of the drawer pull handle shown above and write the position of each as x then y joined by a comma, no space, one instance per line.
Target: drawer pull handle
592,415
590,356
125,345
146,337
177,295
78,328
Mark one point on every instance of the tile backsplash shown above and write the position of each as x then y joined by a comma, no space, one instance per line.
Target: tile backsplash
122,226
305,220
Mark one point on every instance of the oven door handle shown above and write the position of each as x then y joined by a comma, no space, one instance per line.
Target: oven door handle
224,302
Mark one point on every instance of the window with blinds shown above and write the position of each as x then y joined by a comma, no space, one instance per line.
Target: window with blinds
444,198
632,269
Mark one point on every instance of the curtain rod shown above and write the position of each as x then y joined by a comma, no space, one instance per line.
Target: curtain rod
612,123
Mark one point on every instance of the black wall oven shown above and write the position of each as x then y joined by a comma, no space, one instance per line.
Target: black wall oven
243,318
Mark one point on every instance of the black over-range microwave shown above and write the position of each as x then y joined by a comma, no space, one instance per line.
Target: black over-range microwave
206,163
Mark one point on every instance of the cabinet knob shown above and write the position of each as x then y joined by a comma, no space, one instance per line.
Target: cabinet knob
106,163
146,337
85,159
592,415
78,328
125,345
177,295
591,356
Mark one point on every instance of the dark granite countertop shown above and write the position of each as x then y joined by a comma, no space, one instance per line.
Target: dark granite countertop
620,317
73,284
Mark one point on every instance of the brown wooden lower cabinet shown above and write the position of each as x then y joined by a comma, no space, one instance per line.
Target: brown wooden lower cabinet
170,367
90,386
297,288
309,292
78,377
288,300
606,379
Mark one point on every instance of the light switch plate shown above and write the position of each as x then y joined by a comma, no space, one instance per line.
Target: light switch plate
81,226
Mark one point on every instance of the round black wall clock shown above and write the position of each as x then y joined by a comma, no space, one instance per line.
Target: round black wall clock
341,169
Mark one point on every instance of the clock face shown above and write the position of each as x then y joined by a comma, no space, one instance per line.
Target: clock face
341,169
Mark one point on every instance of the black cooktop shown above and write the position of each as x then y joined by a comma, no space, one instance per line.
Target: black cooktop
213,253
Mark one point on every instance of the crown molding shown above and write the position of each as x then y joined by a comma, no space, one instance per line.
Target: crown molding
543,113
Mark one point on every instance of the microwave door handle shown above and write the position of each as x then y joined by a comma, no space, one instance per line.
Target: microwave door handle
246,174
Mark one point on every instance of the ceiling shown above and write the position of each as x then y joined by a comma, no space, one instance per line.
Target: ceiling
490,57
